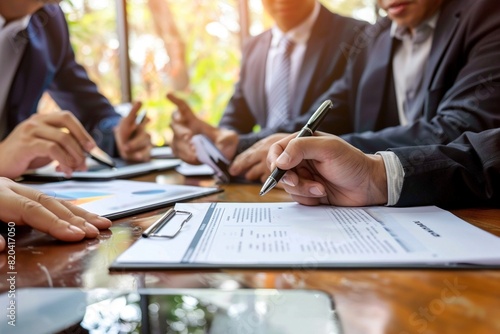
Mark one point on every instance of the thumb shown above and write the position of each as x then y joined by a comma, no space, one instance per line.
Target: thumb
317,148
292,155
276,150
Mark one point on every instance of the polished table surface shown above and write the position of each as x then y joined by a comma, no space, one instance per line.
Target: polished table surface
368,300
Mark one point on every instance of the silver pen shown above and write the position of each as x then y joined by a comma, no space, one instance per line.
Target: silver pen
308,130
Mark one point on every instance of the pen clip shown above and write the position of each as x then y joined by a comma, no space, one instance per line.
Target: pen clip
151,231
308,130
319,114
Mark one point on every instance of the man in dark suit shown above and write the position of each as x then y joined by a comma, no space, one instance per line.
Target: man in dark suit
325,169
423,75
36,56
322,43
458,87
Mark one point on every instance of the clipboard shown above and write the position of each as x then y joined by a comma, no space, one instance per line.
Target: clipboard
97,172
289,235
121,198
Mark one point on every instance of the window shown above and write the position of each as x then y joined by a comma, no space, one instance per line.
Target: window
206,33
190,47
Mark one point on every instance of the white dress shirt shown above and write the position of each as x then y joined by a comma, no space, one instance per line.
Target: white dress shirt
11,51
395,176
408,67
299,35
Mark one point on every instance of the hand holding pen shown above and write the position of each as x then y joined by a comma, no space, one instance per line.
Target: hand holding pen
308,130
43,138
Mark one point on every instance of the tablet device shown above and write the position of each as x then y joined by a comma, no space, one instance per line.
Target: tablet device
115,199
162,152
207,153
250,311
99,172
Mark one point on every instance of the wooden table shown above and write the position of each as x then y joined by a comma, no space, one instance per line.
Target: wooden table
368,301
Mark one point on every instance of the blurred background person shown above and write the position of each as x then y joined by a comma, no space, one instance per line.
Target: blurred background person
284,70
36,57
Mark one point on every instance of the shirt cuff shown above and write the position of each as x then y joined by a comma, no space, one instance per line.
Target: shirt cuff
395,176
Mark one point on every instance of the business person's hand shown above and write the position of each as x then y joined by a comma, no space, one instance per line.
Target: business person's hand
185,115
226,141
132,140
185,125
43,138
60,219
325,169
252,162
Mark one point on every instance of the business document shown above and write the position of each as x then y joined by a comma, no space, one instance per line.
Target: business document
290,234
120,198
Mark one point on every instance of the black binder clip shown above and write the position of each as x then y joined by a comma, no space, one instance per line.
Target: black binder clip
150,232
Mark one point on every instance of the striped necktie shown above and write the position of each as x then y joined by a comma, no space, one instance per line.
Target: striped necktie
278,105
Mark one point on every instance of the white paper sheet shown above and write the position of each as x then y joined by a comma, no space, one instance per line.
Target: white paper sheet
253,234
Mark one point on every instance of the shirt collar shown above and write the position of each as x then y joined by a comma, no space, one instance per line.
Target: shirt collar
15,26
301,33
400,32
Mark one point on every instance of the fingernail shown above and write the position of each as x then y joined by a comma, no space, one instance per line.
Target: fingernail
284,158
89,145
91,227
286,180
104,220
75,229
315,191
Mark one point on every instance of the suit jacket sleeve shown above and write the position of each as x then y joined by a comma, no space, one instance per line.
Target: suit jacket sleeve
331,121
337,121
465,172
72,90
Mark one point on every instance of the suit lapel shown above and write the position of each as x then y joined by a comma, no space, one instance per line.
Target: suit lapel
315,48
31,77
445,29
256,68
376,73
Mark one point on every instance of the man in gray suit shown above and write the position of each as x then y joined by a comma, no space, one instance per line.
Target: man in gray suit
321,44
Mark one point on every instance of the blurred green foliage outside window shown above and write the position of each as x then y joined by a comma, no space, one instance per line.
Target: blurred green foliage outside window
205,32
